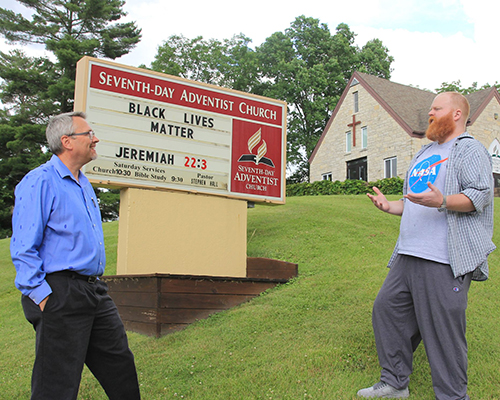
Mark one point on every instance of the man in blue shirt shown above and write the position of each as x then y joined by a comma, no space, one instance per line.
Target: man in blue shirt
57,247
444,242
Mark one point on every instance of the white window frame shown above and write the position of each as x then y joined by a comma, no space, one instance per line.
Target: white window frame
356,101
327,176
393,167
348,141
364,137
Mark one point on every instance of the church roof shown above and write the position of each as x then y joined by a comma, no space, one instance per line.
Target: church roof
479,100
409,106
406,104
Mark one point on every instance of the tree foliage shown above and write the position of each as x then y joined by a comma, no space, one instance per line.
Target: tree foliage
305,65
308,67
71,29
34,88
109,204
27,87
229,63
456,86
20,145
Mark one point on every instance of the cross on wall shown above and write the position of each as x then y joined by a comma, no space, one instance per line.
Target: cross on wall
353,125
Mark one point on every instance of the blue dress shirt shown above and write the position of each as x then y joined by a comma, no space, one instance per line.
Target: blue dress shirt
56,225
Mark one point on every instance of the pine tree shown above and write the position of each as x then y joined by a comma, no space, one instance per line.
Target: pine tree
34,88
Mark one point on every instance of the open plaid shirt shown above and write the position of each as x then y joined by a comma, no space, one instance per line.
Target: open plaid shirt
469,233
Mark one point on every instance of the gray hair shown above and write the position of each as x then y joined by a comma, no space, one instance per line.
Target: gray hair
59,126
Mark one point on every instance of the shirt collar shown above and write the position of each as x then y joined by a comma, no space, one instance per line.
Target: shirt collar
465,135
64,171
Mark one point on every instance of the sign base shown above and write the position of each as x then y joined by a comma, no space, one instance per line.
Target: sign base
158,304
181,233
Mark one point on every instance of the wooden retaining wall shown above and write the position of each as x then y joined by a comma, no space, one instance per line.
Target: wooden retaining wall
158,304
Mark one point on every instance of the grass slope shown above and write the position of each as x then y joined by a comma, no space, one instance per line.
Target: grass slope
310,338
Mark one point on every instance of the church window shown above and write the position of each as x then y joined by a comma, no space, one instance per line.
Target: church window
356,104
364,137
348,142
390,167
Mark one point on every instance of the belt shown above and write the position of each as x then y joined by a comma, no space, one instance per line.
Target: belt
76,275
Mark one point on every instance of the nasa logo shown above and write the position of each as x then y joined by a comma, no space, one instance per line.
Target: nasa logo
424,172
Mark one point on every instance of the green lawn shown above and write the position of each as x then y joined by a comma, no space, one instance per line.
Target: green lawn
311,338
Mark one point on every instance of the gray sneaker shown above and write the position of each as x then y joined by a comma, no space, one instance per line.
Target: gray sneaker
384,390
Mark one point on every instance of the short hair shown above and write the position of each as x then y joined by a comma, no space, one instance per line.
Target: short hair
461,102
59,126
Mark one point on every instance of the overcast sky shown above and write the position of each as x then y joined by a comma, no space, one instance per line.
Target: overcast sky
432,41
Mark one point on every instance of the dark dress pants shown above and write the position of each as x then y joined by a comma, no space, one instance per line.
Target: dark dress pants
80,325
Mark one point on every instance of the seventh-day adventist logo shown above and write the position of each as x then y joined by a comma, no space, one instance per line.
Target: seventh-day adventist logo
424,172
254,140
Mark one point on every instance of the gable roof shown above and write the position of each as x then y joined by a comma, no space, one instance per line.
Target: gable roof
409,106
406,104
479,100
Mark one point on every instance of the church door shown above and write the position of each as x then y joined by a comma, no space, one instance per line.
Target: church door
357,169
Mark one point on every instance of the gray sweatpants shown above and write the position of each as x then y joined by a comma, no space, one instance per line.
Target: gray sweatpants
421,300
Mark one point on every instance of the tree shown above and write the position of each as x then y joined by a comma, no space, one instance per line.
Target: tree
375,60
71,29
19,152
33,89
308,68
109,203
26,89
305,65
229,63
22,137
456,86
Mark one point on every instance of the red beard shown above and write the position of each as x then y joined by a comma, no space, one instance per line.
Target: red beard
440,128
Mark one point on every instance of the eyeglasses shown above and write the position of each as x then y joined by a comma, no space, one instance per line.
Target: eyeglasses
90,133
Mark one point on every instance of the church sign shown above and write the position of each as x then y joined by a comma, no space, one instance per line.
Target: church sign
164,132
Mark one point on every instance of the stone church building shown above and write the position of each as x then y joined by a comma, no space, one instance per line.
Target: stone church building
378,126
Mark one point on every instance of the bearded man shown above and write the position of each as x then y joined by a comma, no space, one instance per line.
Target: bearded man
444,242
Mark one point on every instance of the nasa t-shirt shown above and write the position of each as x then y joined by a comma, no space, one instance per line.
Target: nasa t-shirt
423,231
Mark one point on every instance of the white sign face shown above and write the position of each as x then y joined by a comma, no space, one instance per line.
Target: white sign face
159,131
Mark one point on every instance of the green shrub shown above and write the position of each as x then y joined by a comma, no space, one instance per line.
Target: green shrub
354,187
325,187
388,185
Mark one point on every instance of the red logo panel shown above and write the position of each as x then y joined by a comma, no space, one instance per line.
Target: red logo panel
256,159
